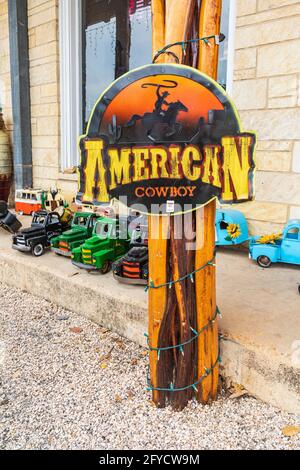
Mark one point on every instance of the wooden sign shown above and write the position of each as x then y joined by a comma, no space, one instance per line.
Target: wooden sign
167,137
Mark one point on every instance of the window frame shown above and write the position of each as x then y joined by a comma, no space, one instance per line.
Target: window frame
231,46
70,40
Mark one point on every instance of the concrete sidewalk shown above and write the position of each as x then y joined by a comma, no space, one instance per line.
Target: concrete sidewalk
260,308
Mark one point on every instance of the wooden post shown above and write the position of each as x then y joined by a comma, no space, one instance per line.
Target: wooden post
158,227
210,20
175,21
208,343
158,26
165,30
176,311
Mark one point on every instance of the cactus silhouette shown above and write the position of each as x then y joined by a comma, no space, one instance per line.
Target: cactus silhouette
115,130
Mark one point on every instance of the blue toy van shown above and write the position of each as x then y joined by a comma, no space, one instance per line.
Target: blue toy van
283,250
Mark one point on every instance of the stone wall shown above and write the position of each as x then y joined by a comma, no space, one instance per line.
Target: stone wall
44,90
267,94
5,88
44,86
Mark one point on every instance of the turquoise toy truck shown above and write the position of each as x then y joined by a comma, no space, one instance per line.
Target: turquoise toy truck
109,242
81,228
283,248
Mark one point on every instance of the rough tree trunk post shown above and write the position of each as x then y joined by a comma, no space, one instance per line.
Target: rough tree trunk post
158,243
208,343
157,226
173,311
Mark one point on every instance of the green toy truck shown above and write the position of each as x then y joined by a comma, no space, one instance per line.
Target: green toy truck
109,242
81,228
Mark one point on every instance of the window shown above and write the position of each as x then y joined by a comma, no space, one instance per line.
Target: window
293,233
92,222
117,37
38,220
223,225
103,230
80,221
53,219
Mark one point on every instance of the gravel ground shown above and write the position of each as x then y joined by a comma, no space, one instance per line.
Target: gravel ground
66,383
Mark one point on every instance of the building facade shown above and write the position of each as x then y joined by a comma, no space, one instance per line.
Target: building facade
77,47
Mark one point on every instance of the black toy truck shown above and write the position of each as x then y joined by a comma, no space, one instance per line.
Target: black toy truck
133,267
36,238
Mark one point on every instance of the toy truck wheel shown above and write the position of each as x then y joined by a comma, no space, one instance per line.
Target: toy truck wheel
106,267
37,250
264,261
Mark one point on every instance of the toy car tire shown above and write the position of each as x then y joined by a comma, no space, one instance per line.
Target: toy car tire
264,261
37,250
106,267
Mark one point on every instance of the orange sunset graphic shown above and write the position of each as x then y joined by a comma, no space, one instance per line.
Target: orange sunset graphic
172,101
139,99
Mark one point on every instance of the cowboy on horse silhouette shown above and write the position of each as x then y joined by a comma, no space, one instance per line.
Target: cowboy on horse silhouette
160,116
160,100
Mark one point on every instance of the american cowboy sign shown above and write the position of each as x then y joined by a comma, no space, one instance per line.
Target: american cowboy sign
164,134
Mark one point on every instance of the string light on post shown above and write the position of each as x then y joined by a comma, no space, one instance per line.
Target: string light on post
217,38
190,275
196,335
180,389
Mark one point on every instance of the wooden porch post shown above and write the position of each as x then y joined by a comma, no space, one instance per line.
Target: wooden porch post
175,312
